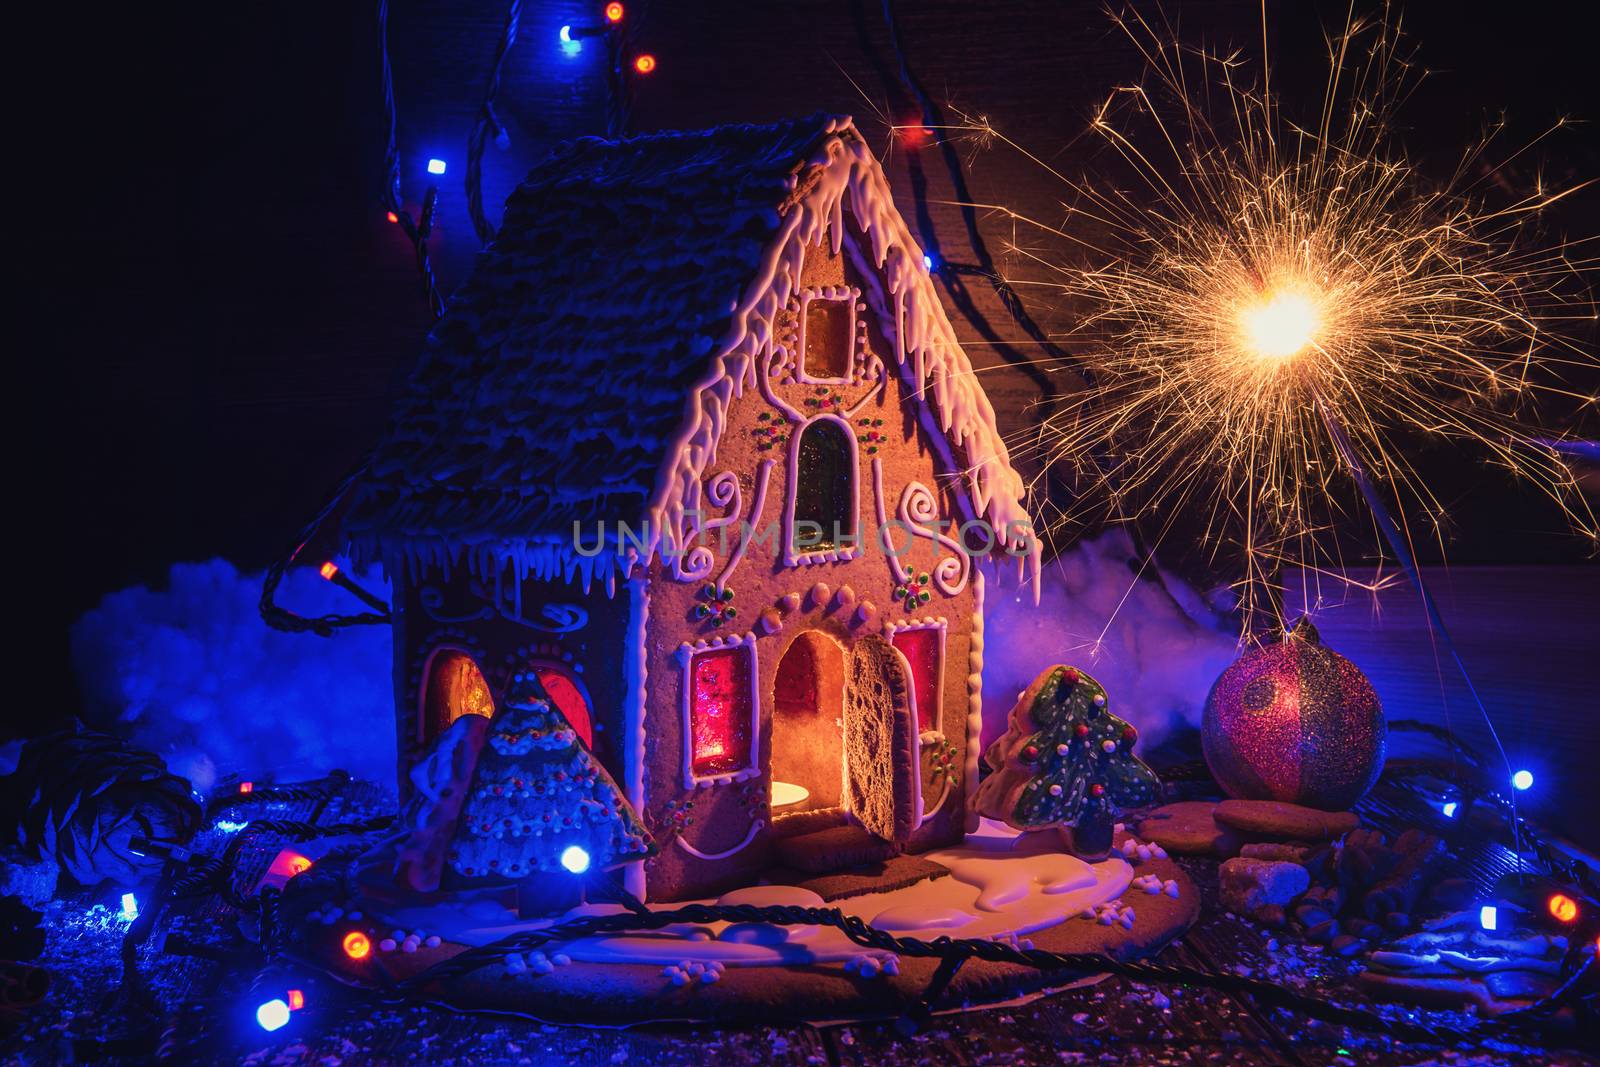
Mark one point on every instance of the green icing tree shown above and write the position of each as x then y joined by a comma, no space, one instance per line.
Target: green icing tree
1065,760
536,794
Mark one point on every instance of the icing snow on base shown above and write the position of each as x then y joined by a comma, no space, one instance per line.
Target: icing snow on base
1002,878
1001,885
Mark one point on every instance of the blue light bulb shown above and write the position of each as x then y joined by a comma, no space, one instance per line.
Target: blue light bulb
575,859
1489,917
130,907
1522,779
273,1015
1449,809
435,166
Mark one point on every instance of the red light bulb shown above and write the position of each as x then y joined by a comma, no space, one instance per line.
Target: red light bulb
357,945
914,134
645,64
613,12
1562,907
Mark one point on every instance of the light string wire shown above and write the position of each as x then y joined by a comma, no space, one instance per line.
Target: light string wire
281,618
1402,550
218,875
416,230
489,121
933,121
1474,782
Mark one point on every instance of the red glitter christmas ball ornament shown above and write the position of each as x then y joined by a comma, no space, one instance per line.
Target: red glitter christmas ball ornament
1294,721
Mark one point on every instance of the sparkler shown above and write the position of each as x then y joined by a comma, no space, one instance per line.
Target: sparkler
1279,312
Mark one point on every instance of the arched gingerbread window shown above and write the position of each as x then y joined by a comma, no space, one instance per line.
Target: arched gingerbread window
823,515
569,697
453,687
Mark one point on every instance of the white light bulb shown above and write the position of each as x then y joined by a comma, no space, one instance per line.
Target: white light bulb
273,1015
575,859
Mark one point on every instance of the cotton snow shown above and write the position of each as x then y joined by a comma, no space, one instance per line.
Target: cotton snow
1156,646
190,671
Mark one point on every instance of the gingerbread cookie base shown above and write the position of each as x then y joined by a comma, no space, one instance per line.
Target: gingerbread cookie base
997,889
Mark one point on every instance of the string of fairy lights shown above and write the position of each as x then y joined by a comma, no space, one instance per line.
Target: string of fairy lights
623,66
278,991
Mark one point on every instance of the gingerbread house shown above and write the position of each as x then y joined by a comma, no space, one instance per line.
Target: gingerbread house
697,447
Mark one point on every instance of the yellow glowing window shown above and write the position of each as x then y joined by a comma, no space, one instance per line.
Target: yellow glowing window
455,687
829,339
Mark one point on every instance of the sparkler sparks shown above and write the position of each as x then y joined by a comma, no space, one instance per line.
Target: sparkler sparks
1278,312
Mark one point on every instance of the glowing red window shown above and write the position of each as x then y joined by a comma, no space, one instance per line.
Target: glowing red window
568,699
719,711
923,649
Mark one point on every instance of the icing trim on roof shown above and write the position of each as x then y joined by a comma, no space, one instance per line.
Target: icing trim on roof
842,173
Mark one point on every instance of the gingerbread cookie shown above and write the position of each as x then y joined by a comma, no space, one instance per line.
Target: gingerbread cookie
1281,820
1188,829
1456,964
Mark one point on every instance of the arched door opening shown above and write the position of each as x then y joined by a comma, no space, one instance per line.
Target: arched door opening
808,725
453,687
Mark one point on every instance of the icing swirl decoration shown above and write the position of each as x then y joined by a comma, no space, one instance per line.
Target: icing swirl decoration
919,511
722,491
432,599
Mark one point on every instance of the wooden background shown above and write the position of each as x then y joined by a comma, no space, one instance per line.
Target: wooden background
1528,636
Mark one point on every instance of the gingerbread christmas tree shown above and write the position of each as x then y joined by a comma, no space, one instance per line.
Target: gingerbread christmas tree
539,802
1065,761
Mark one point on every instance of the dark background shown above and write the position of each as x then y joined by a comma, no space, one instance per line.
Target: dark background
225,310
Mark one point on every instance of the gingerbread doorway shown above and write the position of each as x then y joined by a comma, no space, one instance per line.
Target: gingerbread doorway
882,780
808,726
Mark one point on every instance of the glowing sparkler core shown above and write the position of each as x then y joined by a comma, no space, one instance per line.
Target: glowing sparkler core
1280,325
1279,313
